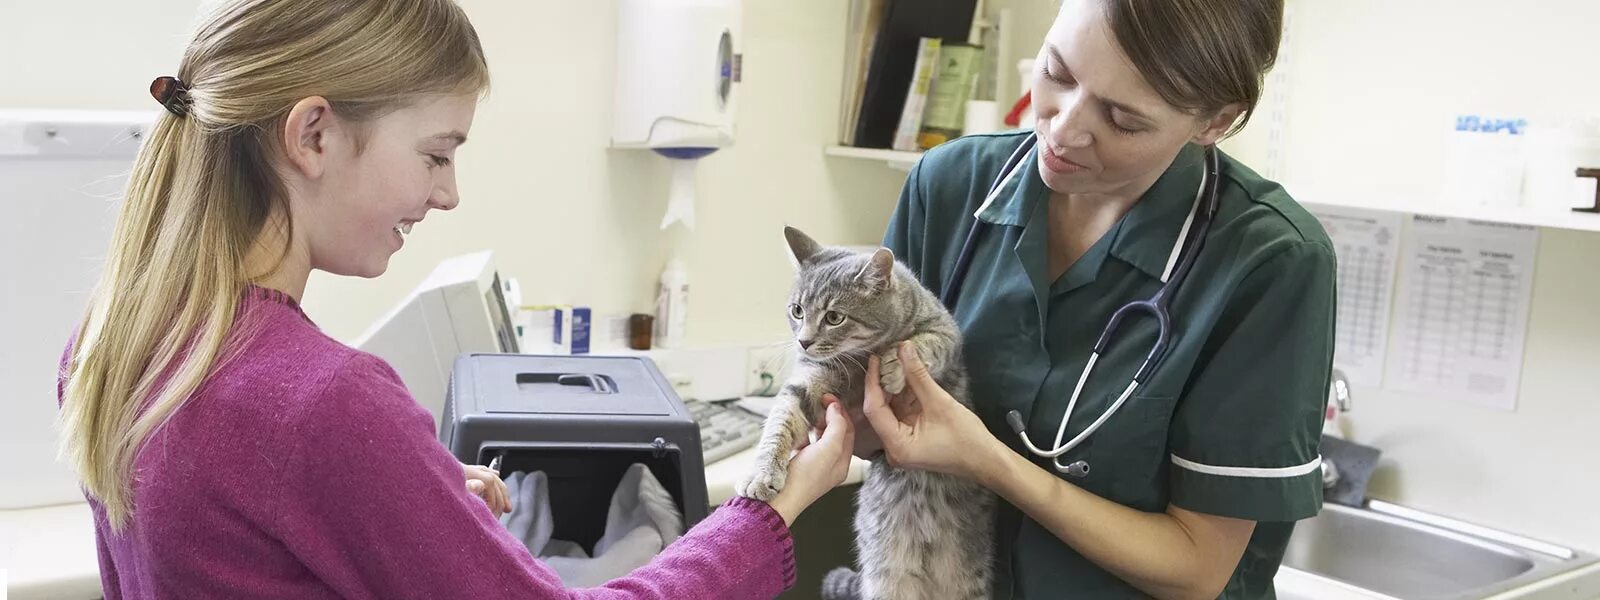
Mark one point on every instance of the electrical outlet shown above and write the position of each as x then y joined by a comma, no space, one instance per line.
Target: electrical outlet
767,367
704,372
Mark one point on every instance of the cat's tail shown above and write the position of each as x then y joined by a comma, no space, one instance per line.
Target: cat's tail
841,584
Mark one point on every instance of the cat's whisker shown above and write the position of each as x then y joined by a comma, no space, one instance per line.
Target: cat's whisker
857,361
791,349
837,360
830,362
783,345
786,350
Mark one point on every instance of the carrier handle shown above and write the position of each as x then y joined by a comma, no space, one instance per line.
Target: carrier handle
599,384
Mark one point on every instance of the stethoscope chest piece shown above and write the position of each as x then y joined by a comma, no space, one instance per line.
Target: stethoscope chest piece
1078,468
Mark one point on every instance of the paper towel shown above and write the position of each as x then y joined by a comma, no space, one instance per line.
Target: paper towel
680,198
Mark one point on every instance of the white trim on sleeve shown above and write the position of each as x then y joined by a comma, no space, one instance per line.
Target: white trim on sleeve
1270,473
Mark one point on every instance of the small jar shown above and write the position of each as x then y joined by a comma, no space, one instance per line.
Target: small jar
640,327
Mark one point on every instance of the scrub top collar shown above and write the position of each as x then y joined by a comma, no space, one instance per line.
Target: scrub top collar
1015,201
1143,237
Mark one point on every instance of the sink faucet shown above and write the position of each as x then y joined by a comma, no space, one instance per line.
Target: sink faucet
1341,392
1346,464
1330,474
1340,404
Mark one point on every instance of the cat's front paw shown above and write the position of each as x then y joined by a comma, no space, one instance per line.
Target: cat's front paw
890,375
764,485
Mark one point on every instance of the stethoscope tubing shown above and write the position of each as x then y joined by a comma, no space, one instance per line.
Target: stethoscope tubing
1196,226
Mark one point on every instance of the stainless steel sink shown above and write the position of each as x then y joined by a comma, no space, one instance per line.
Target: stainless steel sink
1404,553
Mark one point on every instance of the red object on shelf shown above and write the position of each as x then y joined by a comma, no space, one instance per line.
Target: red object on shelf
1014,118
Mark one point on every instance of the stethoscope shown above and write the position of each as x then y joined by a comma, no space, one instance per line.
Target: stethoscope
1181,259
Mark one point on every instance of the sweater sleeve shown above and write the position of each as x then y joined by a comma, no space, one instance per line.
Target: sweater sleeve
370,502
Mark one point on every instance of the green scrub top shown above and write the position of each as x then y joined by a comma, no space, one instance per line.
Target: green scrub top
1228,424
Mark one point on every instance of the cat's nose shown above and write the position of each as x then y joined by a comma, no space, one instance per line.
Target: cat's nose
806,344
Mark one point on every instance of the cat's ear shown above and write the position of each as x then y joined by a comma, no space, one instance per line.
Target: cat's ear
878,274
801,246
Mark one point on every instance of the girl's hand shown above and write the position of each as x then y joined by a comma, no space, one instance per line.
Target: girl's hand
819,466
485,483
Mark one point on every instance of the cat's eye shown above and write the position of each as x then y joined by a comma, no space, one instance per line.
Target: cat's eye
796,313
833,318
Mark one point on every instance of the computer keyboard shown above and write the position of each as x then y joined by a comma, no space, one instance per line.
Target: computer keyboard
725,430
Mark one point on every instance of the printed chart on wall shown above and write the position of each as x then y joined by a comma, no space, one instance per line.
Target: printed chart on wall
1462,310
1367,246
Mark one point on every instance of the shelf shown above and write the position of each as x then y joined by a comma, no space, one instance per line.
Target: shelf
894,158
1577,221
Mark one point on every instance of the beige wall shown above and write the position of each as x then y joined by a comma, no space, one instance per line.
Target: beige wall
577,222
573,220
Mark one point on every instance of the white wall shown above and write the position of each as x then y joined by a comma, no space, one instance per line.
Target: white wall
1374,87
577,222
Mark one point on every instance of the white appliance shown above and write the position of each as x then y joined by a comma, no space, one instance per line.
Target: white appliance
62,174
677,71
459,308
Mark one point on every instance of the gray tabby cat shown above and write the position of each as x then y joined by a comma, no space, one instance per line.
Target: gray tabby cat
919,535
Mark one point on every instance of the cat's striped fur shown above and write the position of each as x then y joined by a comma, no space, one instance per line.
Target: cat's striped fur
918,534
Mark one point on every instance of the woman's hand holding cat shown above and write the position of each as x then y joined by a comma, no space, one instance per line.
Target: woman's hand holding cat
923,427
819,466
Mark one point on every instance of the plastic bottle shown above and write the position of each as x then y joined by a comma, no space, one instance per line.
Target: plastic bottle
672,305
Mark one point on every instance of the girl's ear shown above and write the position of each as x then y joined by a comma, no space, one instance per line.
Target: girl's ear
305,136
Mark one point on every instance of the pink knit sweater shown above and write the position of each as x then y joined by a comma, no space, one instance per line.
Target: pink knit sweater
302,468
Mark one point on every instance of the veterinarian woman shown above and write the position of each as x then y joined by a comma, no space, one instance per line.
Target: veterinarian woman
1189,489
228,447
